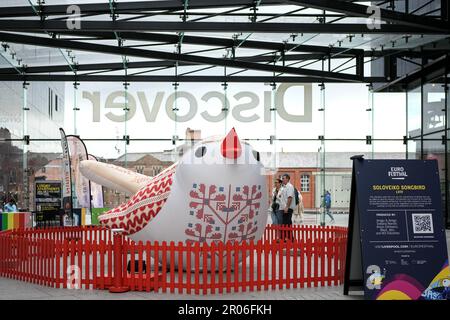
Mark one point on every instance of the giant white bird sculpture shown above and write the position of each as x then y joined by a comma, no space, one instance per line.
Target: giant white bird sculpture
216,192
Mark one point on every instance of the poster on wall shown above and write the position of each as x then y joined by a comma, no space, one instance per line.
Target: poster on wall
48,202
48,191
48,195
77,216
397,245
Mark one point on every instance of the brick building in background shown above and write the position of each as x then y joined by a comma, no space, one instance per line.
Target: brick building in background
305,170
303,167
149,164
144,163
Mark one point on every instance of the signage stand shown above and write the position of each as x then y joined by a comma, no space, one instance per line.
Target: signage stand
353,261
47,201
396,246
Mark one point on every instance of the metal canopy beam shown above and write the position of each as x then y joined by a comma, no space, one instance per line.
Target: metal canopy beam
218,79
170,26
126,7
338,52
413,79
83,46
147,64
132,6
159,64
385,15
221,42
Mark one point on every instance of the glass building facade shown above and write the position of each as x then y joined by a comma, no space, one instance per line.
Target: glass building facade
133,128
427,113
29,113
308,129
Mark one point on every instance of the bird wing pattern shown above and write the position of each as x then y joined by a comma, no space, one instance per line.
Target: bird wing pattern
135,214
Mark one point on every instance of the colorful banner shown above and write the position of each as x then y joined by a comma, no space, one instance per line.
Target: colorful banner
67,179
78,153
96,190
397,216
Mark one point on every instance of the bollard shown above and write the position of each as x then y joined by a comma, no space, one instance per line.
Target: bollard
118,286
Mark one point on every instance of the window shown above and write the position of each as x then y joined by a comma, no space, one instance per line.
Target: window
53,102
304,183
140,169
50,96
12,177
156,170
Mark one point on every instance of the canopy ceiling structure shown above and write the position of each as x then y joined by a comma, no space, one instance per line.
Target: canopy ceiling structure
223,41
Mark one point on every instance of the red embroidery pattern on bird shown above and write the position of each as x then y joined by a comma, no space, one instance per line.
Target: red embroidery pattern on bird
216,208
135,214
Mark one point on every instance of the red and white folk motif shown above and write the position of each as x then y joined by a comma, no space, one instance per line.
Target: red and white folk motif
224,213
135,214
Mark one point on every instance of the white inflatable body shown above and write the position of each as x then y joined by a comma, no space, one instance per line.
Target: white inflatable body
114,177
216,193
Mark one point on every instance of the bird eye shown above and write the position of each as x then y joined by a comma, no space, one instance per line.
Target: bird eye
200,152
256,155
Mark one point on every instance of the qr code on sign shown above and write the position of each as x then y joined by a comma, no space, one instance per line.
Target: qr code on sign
422,223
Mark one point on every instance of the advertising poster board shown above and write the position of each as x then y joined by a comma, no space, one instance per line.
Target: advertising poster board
397,245
48,195
77,217
48,199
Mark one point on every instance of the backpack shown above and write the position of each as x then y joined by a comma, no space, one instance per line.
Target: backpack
297,198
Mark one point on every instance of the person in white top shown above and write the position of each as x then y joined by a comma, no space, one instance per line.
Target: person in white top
287,199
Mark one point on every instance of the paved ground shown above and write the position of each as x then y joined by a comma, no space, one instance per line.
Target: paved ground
11,289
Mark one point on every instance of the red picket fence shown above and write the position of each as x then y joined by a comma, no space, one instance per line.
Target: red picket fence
91,257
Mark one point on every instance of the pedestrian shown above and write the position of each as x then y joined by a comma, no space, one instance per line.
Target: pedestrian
327,202
299,211
11,206
275,206
287,203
